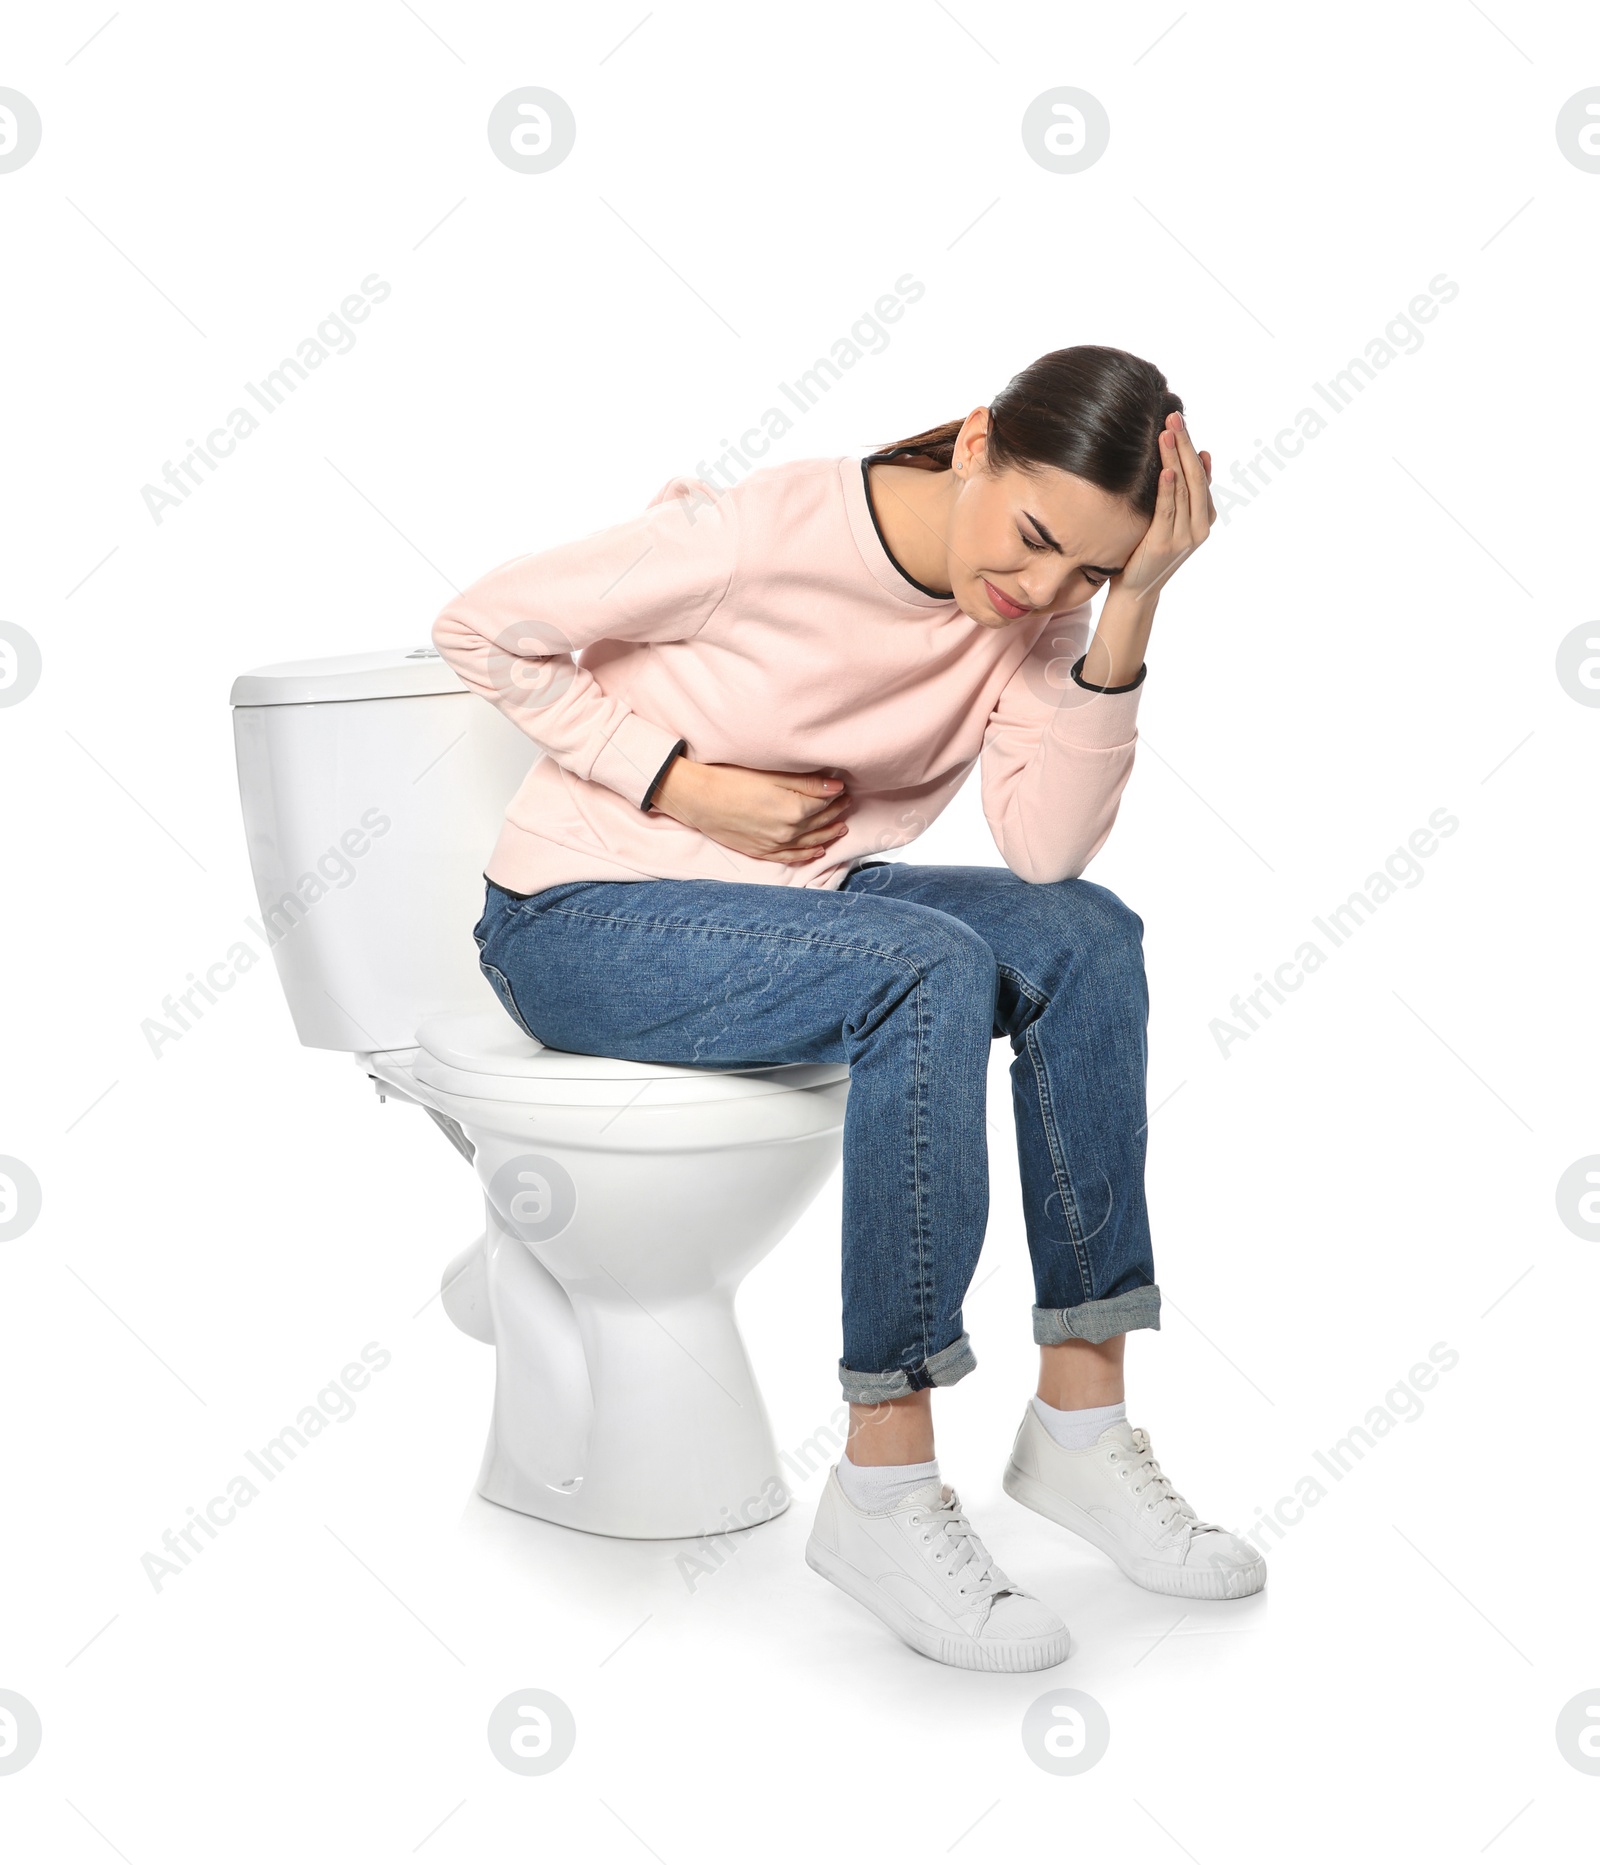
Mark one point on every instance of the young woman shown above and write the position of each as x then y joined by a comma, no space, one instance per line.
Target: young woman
774,684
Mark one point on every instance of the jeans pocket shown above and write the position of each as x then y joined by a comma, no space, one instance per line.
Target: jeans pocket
500,985
525,907
498,906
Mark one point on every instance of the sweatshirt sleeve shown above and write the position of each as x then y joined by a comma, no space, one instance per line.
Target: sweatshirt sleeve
1056,756
514,635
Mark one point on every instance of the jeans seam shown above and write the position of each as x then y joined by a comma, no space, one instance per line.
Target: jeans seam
1030,991
1058,1163
743,932
918,1143
510,1001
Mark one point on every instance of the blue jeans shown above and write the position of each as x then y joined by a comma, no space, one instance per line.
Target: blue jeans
907,974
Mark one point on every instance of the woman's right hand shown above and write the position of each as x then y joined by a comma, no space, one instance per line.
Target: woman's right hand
787,816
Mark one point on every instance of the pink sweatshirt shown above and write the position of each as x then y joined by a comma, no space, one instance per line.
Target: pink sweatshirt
768,626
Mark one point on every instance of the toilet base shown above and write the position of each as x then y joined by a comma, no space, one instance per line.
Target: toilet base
611,1417
500,1482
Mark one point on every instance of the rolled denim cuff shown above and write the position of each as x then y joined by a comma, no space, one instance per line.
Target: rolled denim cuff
1097,1321
943,1368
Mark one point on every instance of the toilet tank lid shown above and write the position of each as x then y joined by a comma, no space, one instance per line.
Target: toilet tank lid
395,673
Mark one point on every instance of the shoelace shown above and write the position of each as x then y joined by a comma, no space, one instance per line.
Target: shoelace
1177,1511
965,1553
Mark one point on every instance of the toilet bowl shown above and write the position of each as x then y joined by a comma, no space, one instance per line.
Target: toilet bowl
624,1202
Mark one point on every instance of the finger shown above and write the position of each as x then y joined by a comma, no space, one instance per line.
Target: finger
1172,459
819,838
1196,468
779,852
809,783
831,813
806,795
1166,501
816,815
1196,476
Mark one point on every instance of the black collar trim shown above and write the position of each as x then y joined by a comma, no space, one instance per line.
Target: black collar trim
878,459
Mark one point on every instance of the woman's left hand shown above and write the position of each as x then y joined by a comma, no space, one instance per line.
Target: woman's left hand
1183,518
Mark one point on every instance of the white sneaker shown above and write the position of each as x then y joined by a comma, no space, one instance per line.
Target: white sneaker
1115,1496
924,1572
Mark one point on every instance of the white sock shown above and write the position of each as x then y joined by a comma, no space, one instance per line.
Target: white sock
1078,1430
877,1488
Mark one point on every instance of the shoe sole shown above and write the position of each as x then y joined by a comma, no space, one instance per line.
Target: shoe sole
1154,1576
969,1654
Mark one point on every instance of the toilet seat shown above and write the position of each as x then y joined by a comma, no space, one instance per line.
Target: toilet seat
484,1056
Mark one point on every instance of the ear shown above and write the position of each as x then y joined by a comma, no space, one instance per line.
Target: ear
975,432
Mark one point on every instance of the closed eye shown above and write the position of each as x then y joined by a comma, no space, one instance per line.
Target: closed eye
1091,573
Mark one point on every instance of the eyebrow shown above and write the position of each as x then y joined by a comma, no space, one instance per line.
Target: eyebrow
1095,568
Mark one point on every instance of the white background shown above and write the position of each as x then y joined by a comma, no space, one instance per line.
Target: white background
1369,640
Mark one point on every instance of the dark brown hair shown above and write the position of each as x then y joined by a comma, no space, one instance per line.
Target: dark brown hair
1093,412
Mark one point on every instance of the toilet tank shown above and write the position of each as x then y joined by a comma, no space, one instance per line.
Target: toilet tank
373,786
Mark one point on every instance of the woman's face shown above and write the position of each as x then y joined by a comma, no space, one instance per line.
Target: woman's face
1037,541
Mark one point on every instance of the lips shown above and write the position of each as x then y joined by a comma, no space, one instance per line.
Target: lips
1004,604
